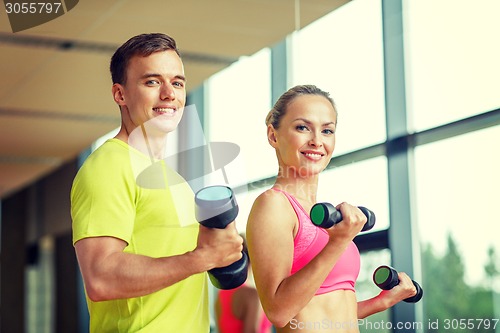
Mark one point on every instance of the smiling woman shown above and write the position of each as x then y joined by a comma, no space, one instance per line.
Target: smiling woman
302,126
313,270
352,66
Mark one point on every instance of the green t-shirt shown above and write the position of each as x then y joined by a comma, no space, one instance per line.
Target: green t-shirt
110,197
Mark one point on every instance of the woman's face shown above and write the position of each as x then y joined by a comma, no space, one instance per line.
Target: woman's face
305,139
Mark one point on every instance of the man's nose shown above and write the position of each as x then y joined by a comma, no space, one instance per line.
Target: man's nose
167,92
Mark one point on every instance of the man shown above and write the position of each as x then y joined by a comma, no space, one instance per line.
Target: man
141,256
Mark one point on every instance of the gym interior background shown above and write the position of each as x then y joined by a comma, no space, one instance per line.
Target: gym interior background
418,141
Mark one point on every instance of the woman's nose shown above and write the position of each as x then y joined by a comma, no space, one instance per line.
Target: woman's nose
315,140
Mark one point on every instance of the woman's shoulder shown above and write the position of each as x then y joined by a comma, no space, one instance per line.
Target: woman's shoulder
272,204
271,197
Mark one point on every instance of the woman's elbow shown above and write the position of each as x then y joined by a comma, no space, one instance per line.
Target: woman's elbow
278,317
279,323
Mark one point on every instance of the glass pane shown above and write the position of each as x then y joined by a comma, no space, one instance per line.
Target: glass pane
40,301
366,289
452,54
361,184
238,100
342,53
245,201
457,183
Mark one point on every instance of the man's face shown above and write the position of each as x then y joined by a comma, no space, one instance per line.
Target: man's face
154,92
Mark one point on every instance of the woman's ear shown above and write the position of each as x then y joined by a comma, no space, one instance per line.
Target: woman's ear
118,96
271,136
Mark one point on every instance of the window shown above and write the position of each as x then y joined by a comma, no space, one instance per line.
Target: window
362,184
457,197
238,100
342,53
452,54
366,289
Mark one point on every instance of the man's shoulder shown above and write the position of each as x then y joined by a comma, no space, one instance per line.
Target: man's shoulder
110,152
108,158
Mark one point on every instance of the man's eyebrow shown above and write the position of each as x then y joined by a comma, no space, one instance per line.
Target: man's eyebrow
180,77
148,75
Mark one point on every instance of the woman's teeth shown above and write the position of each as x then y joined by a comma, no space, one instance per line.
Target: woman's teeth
163,110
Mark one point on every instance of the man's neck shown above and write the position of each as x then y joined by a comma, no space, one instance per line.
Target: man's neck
146,142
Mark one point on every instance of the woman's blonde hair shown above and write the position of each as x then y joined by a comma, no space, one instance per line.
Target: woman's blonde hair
279,109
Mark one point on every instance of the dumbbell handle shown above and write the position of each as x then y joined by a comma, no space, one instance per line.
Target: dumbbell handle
325,215
386,278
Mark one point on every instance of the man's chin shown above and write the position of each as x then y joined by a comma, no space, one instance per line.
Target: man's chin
162,124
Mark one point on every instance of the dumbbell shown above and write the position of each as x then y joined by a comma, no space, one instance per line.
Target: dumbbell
386,278
325,215
216,207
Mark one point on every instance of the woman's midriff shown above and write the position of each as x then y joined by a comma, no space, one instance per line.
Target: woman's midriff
332,312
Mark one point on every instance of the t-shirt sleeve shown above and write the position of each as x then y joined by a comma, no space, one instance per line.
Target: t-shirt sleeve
102,200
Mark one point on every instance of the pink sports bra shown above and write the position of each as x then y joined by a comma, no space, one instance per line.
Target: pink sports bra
310,240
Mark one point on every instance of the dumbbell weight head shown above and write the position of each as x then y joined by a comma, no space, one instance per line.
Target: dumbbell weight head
216,207
418,295
386,278
231,276
370,218
325,215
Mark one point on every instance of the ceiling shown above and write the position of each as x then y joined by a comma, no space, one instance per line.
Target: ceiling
55,89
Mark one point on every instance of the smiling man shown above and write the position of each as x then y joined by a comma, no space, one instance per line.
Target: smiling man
143,260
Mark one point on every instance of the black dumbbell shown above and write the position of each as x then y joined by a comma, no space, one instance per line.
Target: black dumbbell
386,278
325,215
216,207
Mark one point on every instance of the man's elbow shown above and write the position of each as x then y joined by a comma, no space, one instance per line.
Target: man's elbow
97,292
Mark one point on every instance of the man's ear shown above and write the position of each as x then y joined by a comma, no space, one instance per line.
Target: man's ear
118,96
271,136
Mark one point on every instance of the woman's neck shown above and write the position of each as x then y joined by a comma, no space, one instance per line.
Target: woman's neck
304,188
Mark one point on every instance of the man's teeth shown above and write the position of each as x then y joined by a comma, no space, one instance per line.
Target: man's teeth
164,110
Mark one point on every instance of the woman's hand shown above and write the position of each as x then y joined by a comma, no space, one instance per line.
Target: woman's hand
388,298
352,222
405,289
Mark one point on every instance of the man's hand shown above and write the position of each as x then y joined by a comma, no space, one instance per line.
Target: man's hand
219,247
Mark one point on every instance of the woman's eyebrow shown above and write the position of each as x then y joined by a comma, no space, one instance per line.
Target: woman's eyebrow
309,122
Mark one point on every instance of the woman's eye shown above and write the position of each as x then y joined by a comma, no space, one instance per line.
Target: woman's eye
301,127
328,131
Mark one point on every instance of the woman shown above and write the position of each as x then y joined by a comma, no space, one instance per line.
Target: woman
305,275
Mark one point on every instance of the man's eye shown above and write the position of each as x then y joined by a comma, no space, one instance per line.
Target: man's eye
179,84
152,82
